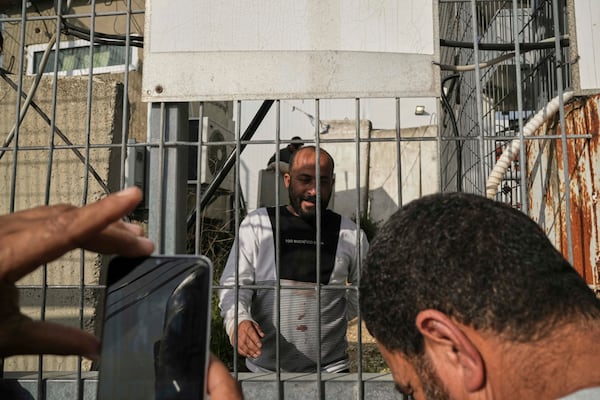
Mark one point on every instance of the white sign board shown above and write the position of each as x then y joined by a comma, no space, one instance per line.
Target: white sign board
256,49
587,15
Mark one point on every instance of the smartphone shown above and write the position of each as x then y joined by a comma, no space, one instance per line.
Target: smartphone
156,328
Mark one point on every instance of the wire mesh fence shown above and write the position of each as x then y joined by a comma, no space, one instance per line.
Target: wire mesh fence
74,129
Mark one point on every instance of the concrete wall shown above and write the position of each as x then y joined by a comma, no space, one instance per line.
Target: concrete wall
66,175
295,120
378,176
346,196
37,181
254,386
39,31
419,166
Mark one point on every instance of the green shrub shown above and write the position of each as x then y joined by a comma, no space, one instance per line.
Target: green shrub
368,225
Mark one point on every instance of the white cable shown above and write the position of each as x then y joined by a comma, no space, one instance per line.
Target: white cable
471,67
512,150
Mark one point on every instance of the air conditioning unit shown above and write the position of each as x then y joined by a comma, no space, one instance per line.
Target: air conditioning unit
217,145
501,87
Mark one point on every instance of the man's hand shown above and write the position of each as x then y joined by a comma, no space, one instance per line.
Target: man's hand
34,237
249,335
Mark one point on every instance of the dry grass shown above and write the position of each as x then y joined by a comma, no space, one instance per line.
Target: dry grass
372,361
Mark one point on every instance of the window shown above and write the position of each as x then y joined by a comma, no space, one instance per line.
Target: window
74,58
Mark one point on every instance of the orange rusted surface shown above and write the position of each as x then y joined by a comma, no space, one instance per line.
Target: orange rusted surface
582,116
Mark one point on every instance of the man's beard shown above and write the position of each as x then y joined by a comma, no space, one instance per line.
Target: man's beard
432,385
296,203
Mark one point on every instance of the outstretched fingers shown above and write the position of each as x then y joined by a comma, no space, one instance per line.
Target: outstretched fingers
39,337
46,233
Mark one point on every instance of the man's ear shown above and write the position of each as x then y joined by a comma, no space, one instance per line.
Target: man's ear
451,349
286,179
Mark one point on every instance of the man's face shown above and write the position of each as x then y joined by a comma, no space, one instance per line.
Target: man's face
302,185
417,378
433,387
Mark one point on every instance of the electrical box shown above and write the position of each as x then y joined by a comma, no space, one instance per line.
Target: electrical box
266,189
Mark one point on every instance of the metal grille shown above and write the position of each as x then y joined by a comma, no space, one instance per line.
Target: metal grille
492,91
74,137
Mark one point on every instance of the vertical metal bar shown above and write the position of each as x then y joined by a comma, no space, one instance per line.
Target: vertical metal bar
399,152
320,392
156,162
519,80
563,133
277,252
439,151
44,286
199,145
53,112
13,187
88,132
167,191
88,118
360,392
125,107
478,94
237,248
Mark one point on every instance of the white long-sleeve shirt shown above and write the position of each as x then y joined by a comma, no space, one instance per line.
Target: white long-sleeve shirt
298,323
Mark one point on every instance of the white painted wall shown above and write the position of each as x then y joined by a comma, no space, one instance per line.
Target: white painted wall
381,113
587,20
229,50
295,25
295,49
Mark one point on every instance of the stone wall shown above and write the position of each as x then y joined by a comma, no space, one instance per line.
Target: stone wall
42,176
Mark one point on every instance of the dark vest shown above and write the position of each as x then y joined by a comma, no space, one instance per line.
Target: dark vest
297,245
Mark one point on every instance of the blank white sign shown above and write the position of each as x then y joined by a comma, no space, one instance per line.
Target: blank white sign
253,49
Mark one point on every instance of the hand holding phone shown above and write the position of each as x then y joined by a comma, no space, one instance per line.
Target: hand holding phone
156,330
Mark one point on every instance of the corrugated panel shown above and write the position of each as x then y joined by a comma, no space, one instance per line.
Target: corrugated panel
584,162
547,189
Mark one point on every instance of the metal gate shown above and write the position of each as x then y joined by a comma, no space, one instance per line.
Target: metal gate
74,128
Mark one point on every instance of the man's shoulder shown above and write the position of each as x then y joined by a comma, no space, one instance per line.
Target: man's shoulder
343,219
256,214
330,212
345,222
349,227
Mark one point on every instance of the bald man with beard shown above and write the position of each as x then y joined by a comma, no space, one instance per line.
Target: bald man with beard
295,226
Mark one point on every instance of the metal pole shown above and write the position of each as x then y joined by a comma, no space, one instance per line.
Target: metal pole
167,187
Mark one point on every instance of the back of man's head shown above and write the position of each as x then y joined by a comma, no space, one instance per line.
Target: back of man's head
480,262
296,144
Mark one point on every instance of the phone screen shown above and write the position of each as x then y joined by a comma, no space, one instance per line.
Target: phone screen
156,328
